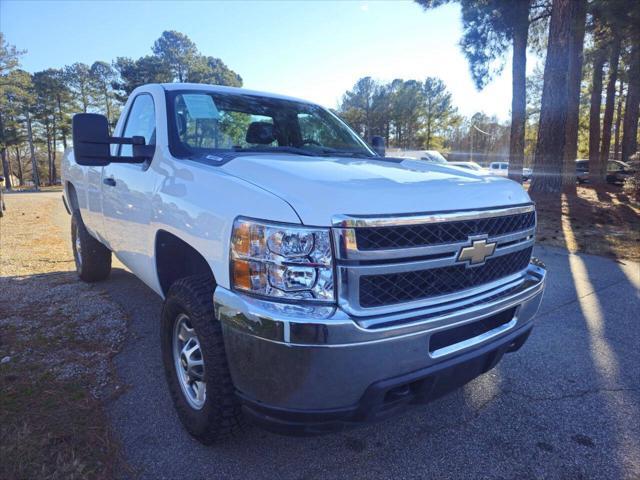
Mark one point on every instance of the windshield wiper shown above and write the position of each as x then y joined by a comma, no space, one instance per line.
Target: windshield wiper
295,150
343,153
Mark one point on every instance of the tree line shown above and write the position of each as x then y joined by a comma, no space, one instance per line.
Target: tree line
583,102
36,108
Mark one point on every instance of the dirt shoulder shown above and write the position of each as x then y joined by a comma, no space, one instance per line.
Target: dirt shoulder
600,221
57,337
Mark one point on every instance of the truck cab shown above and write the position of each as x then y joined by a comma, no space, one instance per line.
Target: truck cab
309,282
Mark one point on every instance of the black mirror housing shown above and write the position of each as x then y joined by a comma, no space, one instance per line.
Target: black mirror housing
377,143
92,142
91,145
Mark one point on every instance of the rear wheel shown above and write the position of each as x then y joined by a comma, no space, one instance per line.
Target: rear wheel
195,361
92,258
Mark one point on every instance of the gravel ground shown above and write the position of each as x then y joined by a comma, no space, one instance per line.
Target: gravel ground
57,338
41,294
567,405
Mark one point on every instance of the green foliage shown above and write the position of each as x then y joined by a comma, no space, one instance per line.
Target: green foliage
409,114
439,112
177,52
133,73
78,79
488,30
102,77
175,58
52,96
9,56
213,71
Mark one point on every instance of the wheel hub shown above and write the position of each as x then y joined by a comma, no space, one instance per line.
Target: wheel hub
189,362
78,245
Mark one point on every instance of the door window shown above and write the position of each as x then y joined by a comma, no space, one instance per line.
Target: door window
141,121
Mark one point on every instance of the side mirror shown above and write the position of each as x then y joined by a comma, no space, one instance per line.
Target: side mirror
377,143
92,143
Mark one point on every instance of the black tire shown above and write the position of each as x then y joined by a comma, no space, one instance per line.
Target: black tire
93,261
220,415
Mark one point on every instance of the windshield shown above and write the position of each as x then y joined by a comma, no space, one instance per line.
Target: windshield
202,123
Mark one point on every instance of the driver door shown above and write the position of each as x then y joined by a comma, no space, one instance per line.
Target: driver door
127,190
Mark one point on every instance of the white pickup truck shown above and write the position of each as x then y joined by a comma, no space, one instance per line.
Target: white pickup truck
309,282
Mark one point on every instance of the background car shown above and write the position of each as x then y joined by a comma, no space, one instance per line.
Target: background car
470,166
502,169
617,171
499,168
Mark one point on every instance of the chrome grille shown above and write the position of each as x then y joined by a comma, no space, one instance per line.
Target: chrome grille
386,264
407,236
394,288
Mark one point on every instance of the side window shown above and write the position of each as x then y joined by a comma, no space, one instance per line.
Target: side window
141,121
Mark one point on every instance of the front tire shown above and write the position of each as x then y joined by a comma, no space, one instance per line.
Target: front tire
92,258
195,361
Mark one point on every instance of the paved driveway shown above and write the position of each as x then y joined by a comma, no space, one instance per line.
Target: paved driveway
567,405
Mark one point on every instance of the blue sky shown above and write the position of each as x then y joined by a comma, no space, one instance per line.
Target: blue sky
308,49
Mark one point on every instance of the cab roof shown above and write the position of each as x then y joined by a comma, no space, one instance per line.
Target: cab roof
232,90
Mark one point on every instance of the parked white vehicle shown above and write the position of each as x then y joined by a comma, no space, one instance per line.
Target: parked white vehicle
473,166
501,169
308,282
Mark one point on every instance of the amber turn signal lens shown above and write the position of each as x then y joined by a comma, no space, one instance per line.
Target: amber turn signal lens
242,274
242,239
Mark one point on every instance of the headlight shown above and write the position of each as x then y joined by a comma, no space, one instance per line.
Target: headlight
281,261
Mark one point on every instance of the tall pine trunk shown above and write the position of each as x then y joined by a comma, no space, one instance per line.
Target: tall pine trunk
48,136
548,163
574,77
616,138
630,123
34,164
54,173
61,120
20,172
610,101
596,170
5,160
519,91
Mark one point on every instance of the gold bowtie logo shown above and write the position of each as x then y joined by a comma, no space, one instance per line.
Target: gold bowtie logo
477,252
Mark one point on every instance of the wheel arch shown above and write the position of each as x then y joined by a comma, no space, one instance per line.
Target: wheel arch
176,259
72,197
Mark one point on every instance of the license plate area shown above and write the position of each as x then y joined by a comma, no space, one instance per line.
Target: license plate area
456,338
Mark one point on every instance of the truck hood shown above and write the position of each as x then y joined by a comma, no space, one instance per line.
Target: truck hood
318,188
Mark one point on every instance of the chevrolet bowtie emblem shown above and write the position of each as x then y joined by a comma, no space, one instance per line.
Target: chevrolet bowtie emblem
477,252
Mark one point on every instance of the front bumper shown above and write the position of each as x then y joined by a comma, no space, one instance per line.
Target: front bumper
315,369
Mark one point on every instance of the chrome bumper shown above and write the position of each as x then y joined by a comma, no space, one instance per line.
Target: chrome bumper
317,358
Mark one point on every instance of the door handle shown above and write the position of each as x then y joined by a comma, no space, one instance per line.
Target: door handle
109,181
